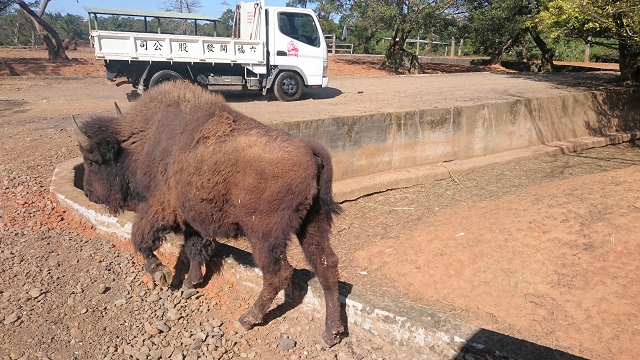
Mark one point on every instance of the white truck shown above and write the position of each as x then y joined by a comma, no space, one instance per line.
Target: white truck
277,48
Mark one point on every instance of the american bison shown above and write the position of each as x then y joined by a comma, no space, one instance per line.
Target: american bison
186,162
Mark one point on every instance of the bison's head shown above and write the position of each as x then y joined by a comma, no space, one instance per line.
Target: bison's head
105,181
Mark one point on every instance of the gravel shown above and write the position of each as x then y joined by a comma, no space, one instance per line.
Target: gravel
67,293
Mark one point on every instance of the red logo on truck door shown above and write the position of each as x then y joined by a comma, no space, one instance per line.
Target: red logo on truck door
292,49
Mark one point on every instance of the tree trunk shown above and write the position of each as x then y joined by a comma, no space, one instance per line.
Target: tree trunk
43,7
587,48
56,51
628,53
546,62
367,41
496,55
16,34
33,35
427,50
399,59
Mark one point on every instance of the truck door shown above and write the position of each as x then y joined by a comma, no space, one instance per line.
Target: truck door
297,43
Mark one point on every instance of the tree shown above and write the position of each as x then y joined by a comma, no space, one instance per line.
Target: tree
5,5
54,47
325,11
69,26
182,6
497,25
364,24
225,23
403,17
612,19
299,3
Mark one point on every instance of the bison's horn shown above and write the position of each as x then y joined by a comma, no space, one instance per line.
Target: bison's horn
118,112
83,139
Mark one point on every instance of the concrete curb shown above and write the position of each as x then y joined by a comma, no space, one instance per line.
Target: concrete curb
353,188
424,333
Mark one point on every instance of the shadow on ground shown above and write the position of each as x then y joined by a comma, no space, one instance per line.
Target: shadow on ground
251,96
309,94
487,344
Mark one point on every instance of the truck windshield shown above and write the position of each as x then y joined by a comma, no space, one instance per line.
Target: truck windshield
299,27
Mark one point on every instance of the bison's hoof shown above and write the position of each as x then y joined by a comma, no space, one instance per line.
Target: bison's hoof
190,284
248,321
331,338
163,276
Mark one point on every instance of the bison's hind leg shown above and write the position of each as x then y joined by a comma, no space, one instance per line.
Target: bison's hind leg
314,239
199,250
271,257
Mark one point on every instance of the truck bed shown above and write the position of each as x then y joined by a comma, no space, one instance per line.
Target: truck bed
118,45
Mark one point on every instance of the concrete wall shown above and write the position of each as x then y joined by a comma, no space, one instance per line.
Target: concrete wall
369,144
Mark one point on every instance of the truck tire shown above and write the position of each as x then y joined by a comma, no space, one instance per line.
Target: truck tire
162,76
289,86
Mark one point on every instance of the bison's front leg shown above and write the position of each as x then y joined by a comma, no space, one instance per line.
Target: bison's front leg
199,250
146,238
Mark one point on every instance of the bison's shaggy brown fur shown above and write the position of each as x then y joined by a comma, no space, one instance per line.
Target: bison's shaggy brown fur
186,162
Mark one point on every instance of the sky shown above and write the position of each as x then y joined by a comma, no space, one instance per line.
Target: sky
212,8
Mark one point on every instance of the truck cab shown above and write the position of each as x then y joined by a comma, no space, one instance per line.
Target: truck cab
271,48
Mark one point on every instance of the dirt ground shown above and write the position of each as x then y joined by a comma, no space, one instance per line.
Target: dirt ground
542,250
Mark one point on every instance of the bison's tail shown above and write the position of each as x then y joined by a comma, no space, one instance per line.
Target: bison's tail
325,178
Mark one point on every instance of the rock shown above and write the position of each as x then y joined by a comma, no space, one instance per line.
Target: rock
162,327
155,354
76,334
102,289
174,314
343,356
286,344
129,350
197,344
15,354
11,318
177,356
189,293
328,356
167,352
120,302
152,330
153,298
34,293
218,354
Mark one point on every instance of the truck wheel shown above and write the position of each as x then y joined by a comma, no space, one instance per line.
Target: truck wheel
289,86
162,76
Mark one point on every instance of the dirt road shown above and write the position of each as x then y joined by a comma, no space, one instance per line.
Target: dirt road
542,250
24,98
34,97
